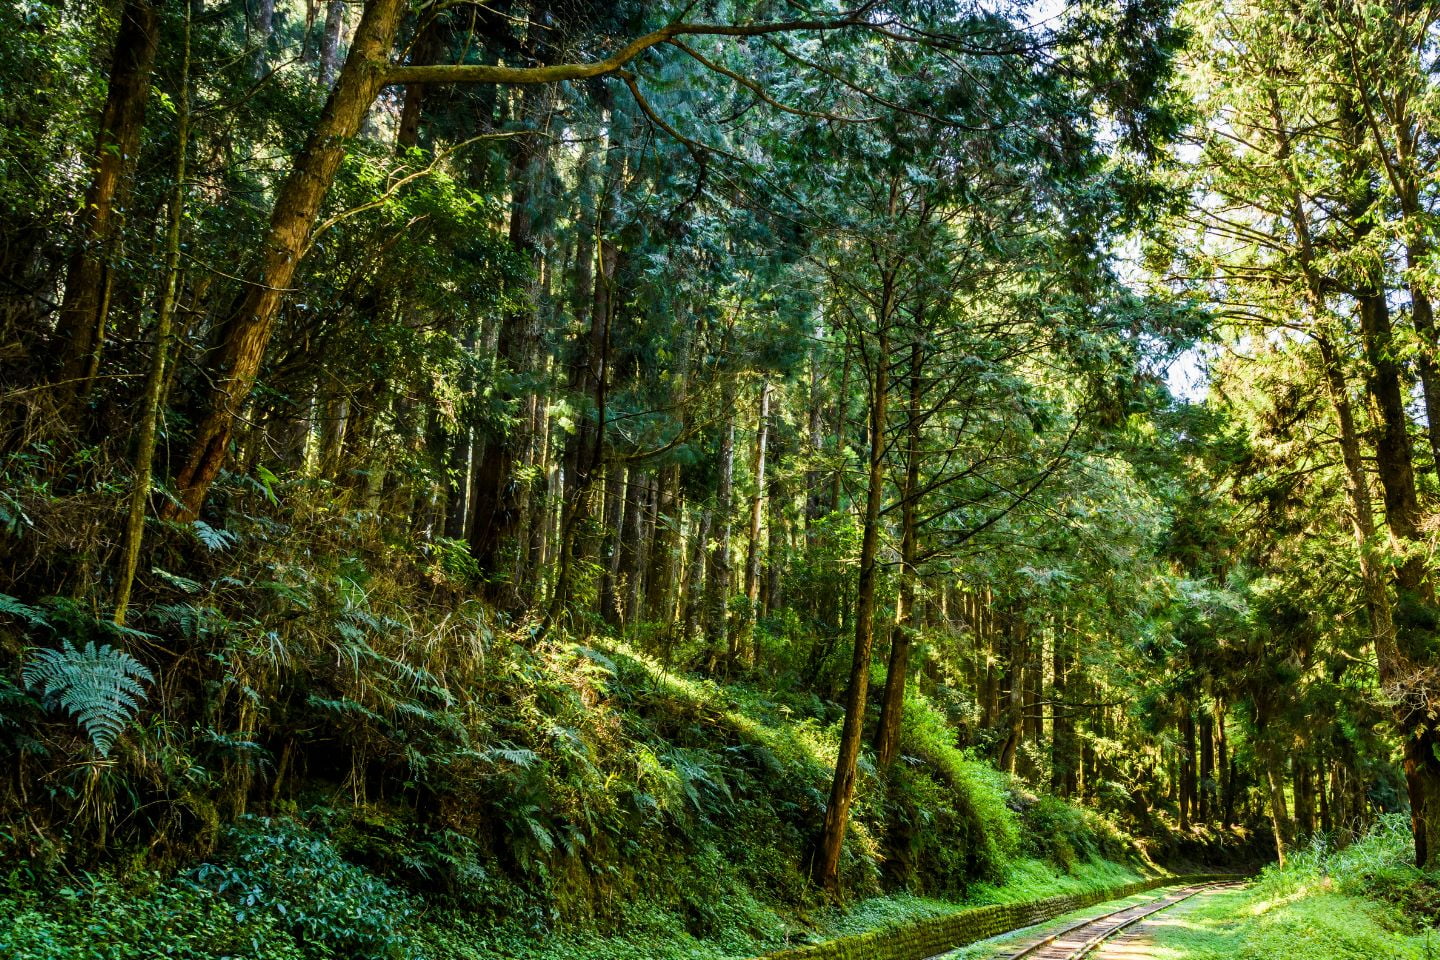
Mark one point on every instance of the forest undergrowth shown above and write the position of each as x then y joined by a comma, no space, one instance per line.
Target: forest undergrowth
354,762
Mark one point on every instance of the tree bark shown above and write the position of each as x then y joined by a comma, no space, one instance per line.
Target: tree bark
153,398
718,582
746,653
1206,807
330,45
842,788
80,325
1187,767
892,703
234,362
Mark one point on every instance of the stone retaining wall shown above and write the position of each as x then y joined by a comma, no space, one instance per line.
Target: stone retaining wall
927,938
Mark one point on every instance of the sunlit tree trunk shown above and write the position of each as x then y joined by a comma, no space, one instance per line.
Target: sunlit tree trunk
842,788
240,342
717,604
153,398
892,703
746,653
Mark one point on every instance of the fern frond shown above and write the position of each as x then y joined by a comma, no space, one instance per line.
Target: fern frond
212,538
13,607
99,686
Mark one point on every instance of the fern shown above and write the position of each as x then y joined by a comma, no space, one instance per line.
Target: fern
212,538
98,686
13,607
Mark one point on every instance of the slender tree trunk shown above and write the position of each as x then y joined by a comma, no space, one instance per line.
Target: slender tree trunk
261,16
80,325
1062,732
426,50
718,583
814,497
154,394
330,44
1014,695
752,548
839,429
610,543
842,788
665,548
632,544
1304,799
892,703
1206,807
1187,767
695,586
1279,812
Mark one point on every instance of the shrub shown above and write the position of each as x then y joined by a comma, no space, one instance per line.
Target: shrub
282,874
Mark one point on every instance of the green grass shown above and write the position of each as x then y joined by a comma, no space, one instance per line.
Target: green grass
987,948
1360,902
1027,880
1314,923
655,935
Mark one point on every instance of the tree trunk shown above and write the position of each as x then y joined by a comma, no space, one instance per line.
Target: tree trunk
80,325
261,17
892,703
842,788
233,364
610,543
814,497
1206,806
153,398
665,548
427,49
1400,668
695,587
632,545
1062,730
330,43
718,583
752,547
1187,768
1304,800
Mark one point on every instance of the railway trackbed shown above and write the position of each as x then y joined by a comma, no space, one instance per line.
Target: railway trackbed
1081,939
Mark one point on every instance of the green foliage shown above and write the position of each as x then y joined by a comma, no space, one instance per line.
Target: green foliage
1357,902
100,686
14,608
1379,866
98,917
293,879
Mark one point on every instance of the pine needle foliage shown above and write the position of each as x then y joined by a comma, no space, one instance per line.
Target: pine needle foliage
99,685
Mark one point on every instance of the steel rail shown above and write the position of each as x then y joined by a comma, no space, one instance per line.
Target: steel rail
1105,933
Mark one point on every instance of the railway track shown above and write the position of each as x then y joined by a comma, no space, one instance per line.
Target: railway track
1081,939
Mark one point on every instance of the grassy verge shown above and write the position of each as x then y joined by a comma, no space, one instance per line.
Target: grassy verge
1361,903
1028,880
989,948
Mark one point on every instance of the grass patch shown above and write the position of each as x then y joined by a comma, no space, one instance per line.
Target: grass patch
1360,902
1313,924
